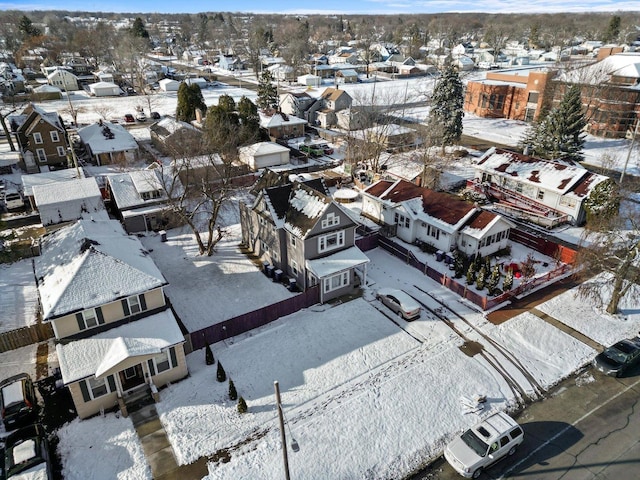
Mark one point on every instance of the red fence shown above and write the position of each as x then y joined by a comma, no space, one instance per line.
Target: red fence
479,298
257,318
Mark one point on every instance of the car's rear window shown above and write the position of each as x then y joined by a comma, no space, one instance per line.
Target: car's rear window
516,432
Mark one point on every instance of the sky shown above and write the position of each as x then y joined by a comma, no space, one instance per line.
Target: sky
373,7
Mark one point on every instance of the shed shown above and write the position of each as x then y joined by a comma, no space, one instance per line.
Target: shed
310,80
264,154
169,85
105,89
201,82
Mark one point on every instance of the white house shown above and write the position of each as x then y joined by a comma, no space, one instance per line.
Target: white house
547,192
264,154
169,85
201,82
447,223
63,79
109,143
105,89
68,201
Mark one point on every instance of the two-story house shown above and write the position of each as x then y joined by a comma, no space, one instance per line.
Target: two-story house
331,101
43,140
296,103
445,222
301,231
63,79
545,192
117,339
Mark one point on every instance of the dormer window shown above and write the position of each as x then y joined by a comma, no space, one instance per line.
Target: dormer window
331,220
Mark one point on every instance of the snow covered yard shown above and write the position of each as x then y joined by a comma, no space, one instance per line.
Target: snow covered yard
19,299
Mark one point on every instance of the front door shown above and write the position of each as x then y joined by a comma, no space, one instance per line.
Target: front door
131,377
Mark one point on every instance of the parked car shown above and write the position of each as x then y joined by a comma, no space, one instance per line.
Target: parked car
400,302
128,118
481,446
327,150
155,115
18,401
26,454
141,117
13,199
618,358
311,150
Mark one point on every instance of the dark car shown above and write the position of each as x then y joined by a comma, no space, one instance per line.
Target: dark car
26,454
618,358
128,118
326,149
18,401
155,115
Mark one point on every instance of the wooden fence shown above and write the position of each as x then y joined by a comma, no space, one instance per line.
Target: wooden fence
24,336
257,318
479,297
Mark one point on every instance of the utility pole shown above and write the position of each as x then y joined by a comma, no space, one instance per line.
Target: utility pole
283,436
633,141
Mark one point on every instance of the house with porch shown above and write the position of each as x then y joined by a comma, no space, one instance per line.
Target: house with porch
42,139
545,192
442,221
117,339
281,125
299,230
108,143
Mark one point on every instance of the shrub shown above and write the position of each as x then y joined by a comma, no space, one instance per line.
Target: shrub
208,355
507,283
481,279
242,406
494,279
233,394
221,375
471,274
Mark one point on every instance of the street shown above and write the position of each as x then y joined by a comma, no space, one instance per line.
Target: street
586,429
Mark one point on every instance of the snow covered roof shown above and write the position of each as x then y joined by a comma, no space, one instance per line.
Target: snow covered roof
89,264
262,148
47,89
294,210
279,120
66,201
557,176
337,262
625,64
481,222
127,188
441,209
44,178
104,137
51,118
101,353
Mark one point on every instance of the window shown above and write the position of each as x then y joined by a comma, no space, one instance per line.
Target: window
136,304
294,267
129,372
54,136
331,241
89,319
42,156
162,362
533,97
540,194
336,281
264,247
519,187
37,138
293,241
567,201
61,152
330,220
97,387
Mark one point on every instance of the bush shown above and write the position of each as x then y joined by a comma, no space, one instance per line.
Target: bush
507,283
233,394
481,279
242,406
208,355
221,375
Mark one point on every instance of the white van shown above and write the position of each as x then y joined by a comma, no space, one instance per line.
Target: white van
13,199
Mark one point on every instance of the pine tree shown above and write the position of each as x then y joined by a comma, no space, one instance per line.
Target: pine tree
208,355
471,273
602,204
458,264
221,375
613,30
494,279
138,29
189,99
447,104
267,92
233,394
507,283
481,278
242,406
559,135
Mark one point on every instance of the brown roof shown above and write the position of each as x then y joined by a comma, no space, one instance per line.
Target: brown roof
332,93
481,219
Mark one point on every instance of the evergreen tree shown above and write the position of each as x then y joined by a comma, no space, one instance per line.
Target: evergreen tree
458,263
613,30
602,204
189,99
494,279
138,29
233,394
221,374
560,134
267,92
471,274
249,121
242,405
481,278
27,29
208,355
447,104
507,283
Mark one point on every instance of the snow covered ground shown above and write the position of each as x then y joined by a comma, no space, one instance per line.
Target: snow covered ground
357,383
